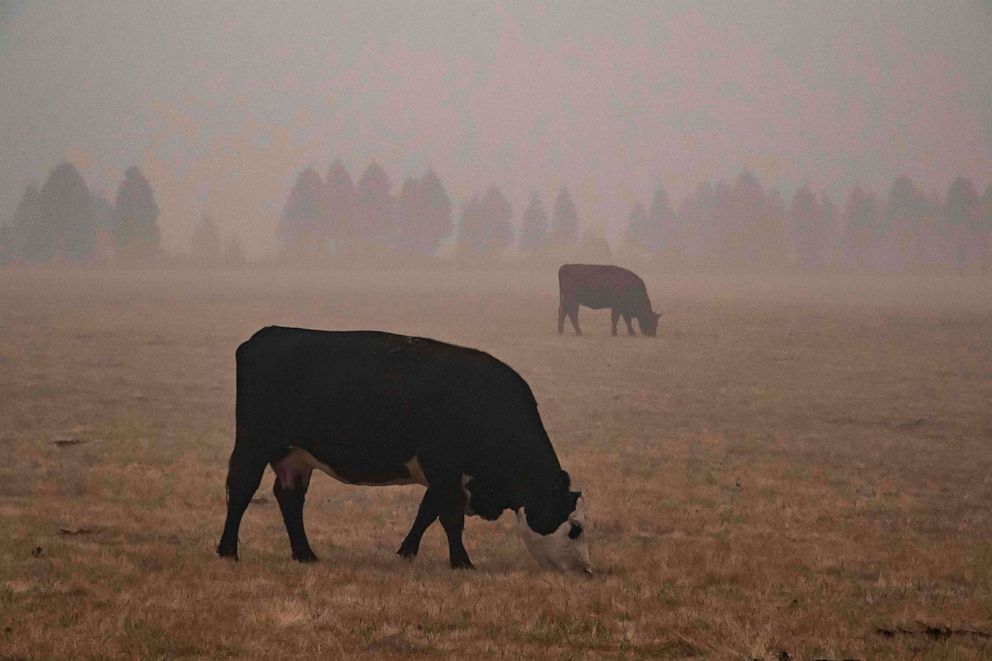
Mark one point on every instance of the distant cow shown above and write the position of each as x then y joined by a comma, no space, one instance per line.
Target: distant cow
375,408
599,286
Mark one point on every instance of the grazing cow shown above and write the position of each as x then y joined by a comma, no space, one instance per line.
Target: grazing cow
600,286
375,408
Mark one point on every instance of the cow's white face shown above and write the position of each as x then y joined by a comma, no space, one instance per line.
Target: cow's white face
565,549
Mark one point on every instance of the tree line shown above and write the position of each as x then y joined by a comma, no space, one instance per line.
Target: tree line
738,224
63,221
333,216
741,224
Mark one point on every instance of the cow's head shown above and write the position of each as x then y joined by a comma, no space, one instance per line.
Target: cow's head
649,323
553,528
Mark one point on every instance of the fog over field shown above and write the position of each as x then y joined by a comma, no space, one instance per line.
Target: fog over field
784,468
787,456
221,104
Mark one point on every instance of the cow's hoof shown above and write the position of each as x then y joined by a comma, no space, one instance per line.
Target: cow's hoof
227,554
462,564
305,556
407,554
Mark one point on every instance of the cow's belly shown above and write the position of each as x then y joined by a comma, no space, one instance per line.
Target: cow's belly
299,462
597,300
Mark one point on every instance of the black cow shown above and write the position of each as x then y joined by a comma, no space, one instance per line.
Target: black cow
600,286
375,408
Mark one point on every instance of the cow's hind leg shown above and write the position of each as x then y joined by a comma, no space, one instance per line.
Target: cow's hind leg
614,317
290,490
243,477
561,317
426,515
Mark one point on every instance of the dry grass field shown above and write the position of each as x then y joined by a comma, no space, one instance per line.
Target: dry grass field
794,468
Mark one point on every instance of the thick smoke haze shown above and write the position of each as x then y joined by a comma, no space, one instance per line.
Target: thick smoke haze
222,103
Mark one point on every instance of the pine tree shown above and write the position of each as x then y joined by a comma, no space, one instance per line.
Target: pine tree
136,229
806,222
424,216
436,221
903,217
661,221
29,238
964,220
67,214
752,225
534,227
721,226
339,199
376,212
409,209
484,228
471,234
6,247
565,223
861,228
986,229
302,231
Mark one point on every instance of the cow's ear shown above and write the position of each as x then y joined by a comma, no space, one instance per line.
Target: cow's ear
564,481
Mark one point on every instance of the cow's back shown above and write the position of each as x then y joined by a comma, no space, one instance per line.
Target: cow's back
370,397
294,381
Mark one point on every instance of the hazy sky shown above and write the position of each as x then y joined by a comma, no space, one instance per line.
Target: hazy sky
221,103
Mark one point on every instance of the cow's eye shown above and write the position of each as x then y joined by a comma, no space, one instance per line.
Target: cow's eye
574,531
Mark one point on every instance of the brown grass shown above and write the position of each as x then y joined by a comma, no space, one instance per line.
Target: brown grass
790,466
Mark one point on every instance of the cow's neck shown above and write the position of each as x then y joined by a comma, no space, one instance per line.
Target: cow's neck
536,480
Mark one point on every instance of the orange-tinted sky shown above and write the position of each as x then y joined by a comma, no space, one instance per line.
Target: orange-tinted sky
222,102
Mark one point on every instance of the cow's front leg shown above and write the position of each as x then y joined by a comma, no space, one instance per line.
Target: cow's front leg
630,328
290,491
614,317
448,498
453,521
426,515
573,314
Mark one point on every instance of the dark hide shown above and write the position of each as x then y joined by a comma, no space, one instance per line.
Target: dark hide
601,286
364,404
